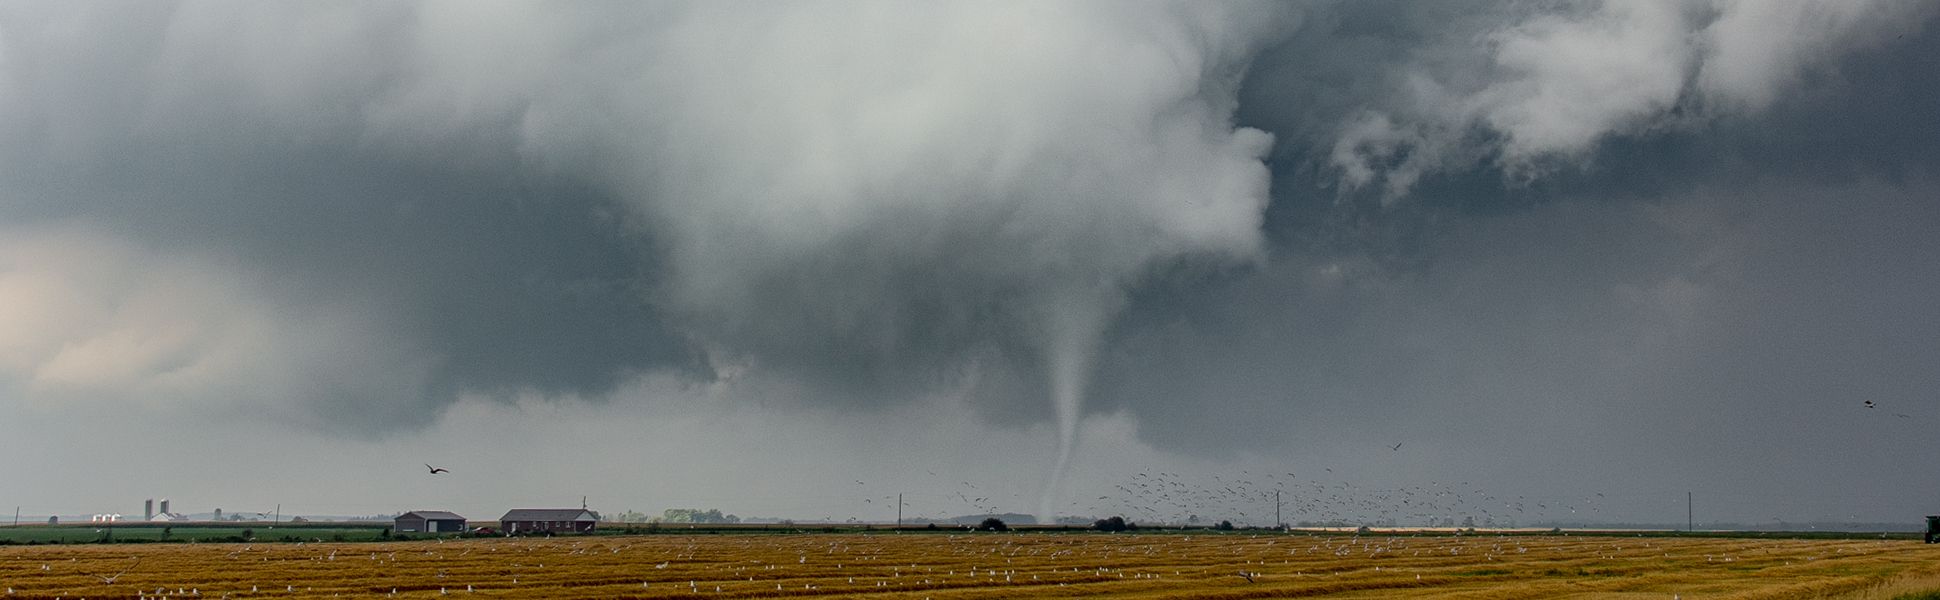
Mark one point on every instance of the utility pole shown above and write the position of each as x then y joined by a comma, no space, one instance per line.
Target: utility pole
899,510
1277,521
16,516
273,521
1690,518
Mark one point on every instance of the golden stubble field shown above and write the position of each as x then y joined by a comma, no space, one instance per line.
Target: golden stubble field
943,566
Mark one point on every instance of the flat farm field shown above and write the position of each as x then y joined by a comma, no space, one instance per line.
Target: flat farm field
1020,565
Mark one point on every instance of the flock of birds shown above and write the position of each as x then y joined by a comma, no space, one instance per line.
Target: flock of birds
1253,499
1257,499
1166,498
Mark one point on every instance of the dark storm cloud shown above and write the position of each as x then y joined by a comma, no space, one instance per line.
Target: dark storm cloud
263,137
1562,219
525,199
1563,246
1715,299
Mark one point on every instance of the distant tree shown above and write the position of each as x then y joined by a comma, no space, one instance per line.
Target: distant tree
993,524
695,515
632,516
1224,526
1111,524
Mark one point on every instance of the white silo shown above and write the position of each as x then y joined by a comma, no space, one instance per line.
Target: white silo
165,506
148,509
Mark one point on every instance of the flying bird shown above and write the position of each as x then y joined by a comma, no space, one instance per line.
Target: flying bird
437,470
1869,404
1397,446
110,579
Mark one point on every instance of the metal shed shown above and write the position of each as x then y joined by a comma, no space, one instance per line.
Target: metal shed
430,521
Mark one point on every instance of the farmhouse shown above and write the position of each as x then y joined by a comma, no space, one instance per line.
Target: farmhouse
548,520
430,521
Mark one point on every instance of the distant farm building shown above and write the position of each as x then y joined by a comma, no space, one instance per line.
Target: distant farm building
165,517
548,520
430,521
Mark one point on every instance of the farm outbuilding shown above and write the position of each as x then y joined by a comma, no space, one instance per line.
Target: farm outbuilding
548,520
430,521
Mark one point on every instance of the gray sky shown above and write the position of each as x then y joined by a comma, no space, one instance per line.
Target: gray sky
788,260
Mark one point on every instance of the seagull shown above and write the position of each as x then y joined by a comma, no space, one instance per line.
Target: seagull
1397,446
1869,404
436,470
110,579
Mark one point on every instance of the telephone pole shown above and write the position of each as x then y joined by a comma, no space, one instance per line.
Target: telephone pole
899,510
1690,518
1277,521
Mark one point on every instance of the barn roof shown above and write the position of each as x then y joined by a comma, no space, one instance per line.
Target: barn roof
548,514
434,515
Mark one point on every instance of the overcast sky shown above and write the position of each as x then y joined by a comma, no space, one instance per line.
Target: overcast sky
790,259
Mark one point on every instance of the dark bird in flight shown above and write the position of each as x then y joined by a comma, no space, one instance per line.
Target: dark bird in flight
1869,404
1397,446
437,470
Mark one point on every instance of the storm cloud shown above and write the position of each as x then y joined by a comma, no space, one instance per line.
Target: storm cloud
1599,231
